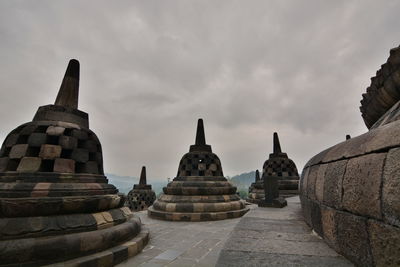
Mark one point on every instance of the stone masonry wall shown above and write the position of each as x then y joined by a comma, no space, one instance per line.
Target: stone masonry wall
350,196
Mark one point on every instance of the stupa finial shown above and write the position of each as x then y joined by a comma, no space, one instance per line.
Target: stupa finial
69,90
142,180
200,144
277,145
257,176
200,136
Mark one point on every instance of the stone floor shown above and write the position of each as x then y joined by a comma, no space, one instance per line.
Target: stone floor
263,237
277,237
182,243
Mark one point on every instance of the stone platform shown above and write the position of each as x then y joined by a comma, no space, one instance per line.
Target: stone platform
262,237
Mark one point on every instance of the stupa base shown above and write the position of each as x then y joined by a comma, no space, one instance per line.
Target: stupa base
105,247
275,203
195,216
111,256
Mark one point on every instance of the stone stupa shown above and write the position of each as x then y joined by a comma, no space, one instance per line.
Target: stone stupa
256,189
141,197
56,205
280,165
200,192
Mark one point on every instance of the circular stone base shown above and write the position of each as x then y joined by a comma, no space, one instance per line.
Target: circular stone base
50,249
196,216
114,255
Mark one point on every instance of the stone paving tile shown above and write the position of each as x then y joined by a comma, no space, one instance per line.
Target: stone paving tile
196,253
182,262
257,259
169,255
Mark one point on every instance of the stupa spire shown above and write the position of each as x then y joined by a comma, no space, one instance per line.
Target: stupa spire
257,176
200,143
69,90
143,176
200,136
277,145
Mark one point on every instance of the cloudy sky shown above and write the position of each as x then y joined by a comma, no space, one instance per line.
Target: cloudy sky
150,69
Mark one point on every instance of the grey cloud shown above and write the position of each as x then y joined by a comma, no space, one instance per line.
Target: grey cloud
149,69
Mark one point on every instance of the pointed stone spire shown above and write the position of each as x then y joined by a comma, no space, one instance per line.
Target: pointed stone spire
200,144
257,176
142,180
200,136
69,90
277,145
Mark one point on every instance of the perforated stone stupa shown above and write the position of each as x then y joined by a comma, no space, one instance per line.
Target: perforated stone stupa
199,192
141,196
256,189
280,165
55,203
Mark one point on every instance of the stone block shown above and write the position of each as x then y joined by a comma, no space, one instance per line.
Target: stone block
4,163
90,145
28,129
80,155
311,181
306,209
316,217
11,140
55,130
319,183
50,151
64,165
352,238
68,142
303,181
37,139
386,136
333,183
89,167
29,164
317,158
361,185
391,187
329,226
274,203
385,245
80,134
18,151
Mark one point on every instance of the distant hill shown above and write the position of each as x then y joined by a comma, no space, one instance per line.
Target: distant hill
244,179
125,183
242,182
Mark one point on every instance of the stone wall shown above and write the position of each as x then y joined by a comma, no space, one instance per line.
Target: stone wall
350,196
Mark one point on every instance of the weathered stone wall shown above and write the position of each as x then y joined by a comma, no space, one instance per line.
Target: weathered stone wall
350,196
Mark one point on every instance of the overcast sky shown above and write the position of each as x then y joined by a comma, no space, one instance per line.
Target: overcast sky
150,69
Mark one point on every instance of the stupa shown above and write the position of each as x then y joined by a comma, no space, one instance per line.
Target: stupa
199,192
280,165
56,205
256,189
141,196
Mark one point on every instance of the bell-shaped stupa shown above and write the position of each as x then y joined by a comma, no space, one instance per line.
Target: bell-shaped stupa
200,192
55,203
256,189
280,165
141,197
